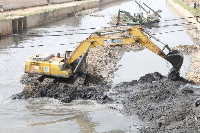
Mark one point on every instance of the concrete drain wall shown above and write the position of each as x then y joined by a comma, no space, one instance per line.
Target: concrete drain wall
19,23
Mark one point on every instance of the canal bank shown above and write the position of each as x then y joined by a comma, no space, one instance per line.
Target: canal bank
18,20
193,22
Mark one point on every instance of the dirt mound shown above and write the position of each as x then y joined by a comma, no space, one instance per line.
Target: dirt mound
36,86
120,21
102,61
187,49
164,105
193,75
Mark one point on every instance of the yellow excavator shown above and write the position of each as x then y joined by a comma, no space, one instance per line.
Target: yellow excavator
74,62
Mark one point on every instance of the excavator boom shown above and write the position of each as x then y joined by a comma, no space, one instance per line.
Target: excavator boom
145,41
98,40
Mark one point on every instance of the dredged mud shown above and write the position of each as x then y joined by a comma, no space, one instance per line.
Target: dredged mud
164,105
36,86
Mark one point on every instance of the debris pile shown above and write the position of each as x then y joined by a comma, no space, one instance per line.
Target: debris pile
116,31
193,74
102,60
116,21
88,12
187,48
164,105
101,64
38,86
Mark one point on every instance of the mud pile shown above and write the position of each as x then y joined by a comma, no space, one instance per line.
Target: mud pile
193,74
187,49
102,61
164,105
38,86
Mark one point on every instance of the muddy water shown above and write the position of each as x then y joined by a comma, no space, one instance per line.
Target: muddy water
49,115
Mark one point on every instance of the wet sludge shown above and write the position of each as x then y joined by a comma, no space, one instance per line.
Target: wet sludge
64,91
164,105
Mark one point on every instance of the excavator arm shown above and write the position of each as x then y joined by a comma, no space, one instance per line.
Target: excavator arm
145,41
139,36
95,41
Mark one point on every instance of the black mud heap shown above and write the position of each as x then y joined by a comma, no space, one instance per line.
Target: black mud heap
163,105
37,86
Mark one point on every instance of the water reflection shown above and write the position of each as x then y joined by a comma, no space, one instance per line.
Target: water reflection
86,115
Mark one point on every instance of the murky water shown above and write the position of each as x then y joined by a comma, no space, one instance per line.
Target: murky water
49,115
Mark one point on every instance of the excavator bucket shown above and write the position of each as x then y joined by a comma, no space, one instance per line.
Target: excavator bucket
175,58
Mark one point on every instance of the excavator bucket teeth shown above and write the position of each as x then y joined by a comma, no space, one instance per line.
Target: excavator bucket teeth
175,58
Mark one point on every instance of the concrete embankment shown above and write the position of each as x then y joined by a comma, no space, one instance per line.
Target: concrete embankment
17,23
16,4
192,20
193,74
